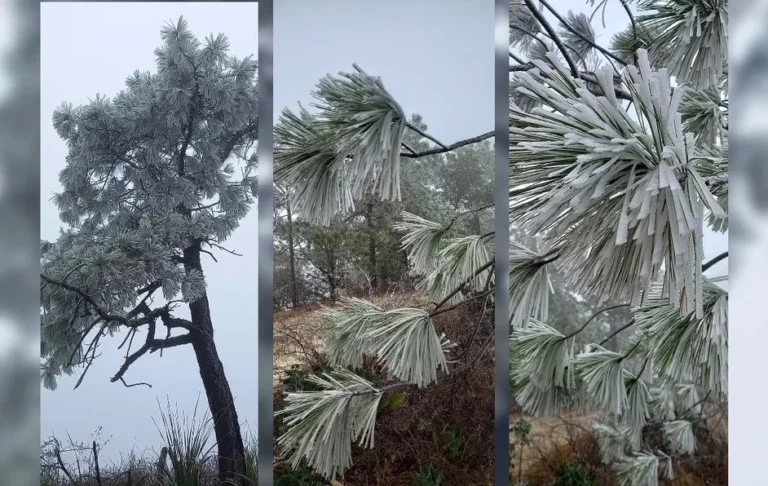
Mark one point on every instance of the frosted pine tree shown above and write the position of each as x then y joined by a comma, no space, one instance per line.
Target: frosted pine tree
618,162
156,179
352,145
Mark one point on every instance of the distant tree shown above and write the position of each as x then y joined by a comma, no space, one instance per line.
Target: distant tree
349,160
615,172
367,252
149,188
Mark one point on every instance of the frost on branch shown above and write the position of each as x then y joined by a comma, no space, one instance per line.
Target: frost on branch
623,194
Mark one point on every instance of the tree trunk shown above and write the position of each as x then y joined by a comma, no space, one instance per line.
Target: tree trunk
371,246
292,257
220,401
332,276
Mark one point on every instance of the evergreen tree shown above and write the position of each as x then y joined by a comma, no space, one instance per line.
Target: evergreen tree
151,187
615,172
367,257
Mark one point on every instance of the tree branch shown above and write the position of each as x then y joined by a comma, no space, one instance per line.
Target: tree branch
122,380
99,310
578,34
222,248
461,287
593,316
553,35
713,261
451,147
611,335
465,301
425,134
625,4
584,76
136,355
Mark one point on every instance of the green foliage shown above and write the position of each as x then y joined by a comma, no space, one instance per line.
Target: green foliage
188,448
575,473
393,401
451,440
285,475
427,476
520,438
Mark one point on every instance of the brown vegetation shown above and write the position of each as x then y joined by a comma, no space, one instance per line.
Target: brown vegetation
445,427
567,438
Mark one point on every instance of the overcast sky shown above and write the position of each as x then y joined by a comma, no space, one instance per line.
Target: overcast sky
90,48
434,56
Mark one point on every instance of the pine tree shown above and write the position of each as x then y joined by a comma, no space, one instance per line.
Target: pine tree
149,188
616,170
350,151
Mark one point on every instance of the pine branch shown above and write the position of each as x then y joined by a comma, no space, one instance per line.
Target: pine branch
531,35
461,286
577,33
585,76
99,310
625,4
150,346
593,316
614,333
553,35
713,261
426,135
449,148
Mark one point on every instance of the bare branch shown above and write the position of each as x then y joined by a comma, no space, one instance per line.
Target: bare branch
713,261
222,248
425,134
451,147
134,384
611,335
593,316
210,254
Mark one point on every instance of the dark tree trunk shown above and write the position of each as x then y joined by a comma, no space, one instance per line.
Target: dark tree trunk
332,276
371,246
220,401
292,257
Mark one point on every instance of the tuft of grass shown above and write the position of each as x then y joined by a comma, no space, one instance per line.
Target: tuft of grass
187,447
251,476
285,475
427,476
574,473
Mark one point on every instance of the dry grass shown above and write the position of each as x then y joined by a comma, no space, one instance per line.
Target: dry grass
300,334
563,439
547,435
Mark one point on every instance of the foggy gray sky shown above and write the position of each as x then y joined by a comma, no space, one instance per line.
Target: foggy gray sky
90,48
434,56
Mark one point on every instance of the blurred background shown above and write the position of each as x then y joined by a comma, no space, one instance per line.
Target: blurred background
20,213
